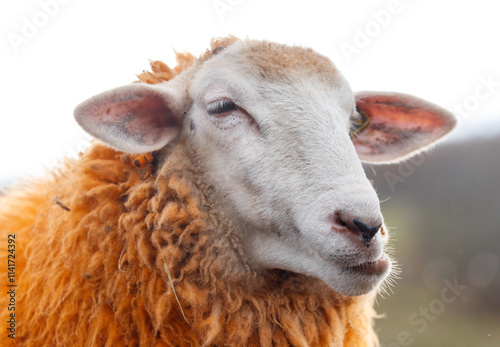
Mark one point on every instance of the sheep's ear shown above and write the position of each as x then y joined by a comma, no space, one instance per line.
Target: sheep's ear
394,126
136,118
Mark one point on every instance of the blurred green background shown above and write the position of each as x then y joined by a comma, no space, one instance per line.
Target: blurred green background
443,210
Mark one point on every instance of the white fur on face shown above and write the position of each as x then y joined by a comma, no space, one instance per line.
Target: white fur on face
283,163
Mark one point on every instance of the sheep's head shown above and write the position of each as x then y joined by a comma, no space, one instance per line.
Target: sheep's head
281,137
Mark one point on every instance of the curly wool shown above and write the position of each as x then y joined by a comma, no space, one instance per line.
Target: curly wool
94,243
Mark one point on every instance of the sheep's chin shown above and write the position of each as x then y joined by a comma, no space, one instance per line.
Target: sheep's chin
360,279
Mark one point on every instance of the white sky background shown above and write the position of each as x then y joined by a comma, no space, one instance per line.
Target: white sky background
437,50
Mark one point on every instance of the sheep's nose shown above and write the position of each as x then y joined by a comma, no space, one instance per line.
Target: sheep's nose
359,226
367,232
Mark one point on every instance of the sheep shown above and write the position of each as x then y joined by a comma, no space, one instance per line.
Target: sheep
223,203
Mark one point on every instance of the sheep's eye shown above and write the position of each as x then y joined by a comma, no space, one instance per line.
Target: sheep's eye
358,123
220,107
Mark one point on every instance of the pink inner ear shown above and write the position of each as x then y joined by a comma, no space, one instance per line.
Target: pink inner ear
399,125
136,118
146,118
393,112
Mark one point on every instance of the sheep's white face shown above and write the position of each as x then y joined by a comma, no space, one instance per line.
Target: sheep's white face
280,156
271,125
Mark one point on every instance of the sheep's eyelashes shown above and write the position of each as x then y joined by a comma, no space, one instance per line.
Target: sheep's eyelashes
221,108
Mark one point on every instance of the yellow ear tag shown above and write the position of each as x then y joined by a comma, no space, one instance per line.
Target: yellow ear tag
359,124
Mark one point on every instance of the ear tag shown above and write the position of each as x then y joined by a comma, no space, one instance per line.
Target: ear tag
360,123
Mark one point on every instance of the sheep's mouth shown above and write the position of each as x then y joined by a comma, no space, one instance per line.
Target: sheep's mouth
371,268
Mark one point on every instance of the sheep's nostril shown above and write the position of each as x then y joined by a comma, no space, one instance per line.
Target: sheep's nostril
338,222
367,232
357,226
